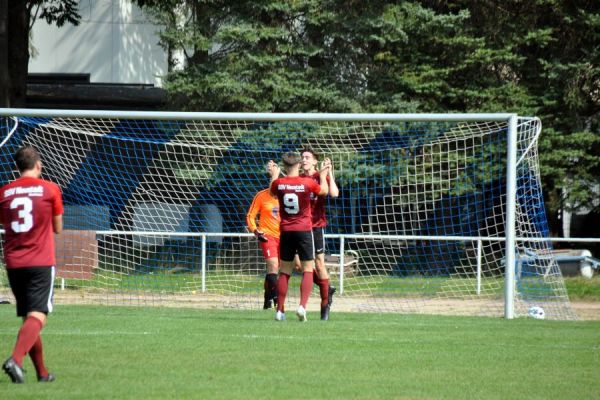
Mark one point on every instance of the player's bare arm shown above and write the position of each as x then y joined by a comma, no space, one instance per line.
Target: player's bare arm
334,191
57,223
325,167
274,171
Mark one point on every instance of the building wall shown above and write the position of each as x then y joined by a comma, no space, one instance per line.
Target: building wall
114,43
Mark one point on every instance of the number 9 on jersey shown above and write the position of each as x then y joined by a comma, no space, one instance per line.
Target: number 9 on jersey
290,202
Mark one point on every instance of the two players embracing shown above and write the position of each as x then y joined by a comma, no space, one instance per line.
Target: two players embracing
302,213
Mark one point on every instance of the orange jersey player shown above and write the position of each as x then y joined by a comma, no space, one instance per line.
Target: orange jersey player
266,207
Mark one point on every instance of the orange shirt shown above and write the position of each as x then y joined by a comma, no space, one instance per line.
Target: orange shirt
267,207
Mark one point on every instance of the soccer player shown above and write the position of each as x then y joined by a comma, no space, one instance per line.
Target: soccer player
266,206
31,212
310,159
293,192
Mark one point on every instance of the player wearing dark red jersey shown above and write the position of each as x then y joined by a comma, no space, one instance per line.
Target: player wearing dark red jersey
31,212
293,193
319,221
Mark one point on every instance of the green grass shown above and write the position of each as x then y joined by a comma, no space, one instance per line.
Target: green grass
578,288
584,289
159,353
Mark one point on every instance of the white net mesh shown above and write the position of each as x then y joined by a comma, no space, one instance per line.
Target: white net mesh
155,211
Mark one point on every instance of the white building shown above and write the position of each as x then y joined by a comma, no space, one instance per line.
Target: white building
114,43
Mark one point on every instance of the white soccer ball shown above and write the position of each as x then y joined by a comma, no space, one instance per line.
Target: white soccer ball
536,312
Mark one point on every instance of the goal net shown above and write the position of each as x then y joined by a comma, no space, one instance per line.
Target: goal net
155,207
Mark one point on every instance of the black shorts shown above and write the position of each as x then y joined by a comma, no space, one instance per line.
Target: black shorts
33,289
319,239
292,243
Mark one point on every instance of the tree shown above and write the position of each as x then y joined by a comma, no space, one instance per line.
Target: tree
553,58
19,17
273,55
258,61
533,57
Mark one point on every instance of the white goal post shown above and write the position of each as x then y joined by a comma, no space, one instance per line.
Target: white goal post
437,213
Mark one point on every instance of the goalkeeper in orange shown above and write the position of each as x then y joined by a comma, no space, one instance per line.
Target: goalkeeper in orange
266,207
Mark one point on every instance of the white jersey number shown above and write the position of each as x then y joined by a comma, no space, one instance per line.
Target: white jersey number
290,201
25,206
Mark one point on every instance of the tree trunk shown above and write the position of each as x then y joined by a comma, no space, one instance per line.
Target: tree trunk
18,50
202,18
4,76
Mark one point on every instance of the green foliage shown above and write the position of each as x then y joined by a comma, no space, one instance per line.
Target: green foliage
56,12
530,57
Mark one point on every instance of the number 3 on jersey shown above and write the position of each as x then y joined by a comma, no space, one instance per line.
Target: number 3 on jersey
290,201
24,205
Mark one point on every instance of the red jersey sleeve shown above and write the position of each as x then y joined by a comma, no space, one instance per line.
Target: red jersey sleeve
315,187
57,203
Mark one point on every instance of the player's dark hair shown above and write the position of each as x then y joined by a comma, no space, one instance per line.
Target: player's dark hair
26,157
291,158
308,149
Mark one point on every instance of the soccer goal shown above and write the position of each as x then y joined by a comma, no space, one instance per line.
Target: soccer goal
437,213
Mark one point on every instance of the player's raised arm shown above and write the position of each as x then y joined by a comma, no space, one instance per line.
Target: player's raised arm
274,171
325,167
334,191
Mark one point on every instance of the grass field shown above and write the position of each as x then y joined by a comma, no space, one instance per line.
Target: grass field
157,353
578,288
583,289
